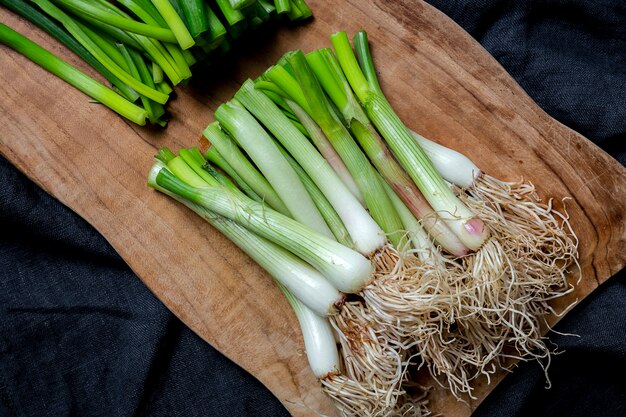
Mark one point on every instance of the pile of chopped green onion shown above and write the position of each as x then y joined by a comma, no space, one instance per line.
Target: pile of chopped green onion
143,48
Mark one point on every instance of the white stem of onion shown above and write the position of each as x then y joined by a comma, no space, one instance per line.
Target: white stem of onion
452,165
319,339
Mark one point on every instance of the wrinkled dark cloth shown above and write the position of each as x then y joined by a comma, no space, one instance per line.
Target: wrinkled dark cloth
80,335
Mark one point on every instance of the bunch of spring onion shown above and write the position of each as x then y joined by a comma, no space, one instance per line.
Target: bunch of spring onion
326,170
143,47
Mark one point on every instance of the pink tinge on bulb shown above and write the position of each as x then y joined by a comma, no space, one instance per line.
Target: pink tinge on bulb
477,233
475,226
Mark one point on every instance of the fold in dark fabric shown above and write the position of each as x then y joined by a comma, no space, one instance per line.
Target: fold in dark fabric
80,335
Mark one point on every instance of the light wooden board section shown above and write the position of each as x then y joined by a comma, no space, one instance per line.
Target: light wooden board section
442,83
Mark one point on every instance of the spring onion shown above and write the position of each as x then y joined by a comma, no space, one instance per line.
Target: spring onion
298,277
464,223
305,90
75,29
365,233
452,165
319,340
328,71
88,9
465,315
172,35
326,209
325,148
37,17
238,161
213,156
179,31
346,269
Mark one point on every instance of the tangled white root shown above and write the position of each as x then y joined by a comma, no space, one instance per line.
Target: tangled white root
465,317
374,367
502,300
408,296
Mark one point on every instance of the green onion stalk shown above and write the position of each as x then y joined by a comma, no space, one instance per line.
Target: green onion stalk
346,269
324,147
377,365
469,228
171,36
304,89
214,157
85,8
296,279
321,202
328,72
374,367
367,236
259,146
307,126
319,340
231,154
71,75
303,281
282,6
308,294
499,298
35,16
177,27
76,30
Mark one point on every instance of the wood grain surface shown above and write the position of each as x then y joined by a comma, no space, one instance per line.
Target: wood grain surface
441,82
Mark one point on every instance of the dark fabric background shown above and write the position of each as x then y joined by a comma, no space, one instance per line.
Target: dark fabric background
80,335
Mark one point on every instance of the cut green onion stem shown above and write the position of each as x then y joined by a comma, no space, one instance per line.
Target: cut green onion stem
282,6
40,19
157,73
232,15
195,16
81,7
240,4
71,75
175,23
76,31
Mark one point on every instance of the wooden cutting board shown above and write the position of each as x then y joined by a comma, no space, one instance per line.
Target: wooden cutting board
441,82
